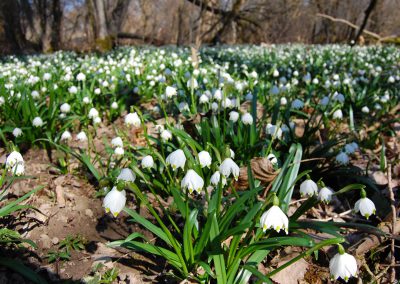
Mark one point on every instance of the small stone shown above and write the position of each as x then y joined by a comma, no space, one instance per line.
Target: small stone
45,240
89,213
55,240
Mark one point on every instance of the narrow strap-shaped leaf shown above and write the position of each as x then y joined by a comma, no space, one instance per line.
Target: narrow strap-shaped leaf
148,225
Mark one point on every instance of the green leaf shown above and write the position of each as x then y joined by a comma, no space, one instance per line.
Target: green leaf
219,261
148,225
20,268
187,236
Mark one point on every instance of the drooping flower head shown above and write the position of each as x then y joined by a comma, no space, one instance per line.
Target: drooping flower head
192,182
114,201
343,265
176,159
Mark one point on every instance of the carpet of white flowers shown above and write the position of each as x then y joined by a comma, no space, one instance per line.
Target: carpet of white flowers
222,160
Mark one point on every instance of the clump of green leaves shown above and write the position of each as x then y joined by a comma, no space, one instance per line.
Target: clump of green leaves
70,243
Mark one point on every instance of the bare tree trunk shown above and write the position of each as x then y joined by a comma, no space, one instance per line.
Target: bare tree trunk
102,23
56,27
367,13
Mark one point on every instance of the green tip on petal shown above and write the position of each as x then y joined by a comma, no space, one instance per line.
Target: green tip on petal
115,214
107,210
341,249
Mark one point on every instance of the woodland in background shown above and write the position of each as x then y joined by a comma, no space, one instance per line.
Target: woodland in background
84,25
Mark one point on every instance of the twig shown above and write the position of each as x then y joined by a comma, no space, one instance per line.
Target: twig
394,217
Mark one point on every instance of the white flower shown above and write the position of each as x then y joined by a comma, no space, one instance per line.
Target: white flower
66,136
132,119
297,104
192,181
275,219
216,177
119,151
46,76
272,158
350,148
65,108
274,130
37,122
170,92
93,113
338,114
147,162
114,105
18,169
205,159
342,158
365,109
218,95
192,83
81,136
17,132
97,91
73,90
233,116
232,153
81,77
114,201
283,101
275,73
343,266
229,167
324,101
249,97
176,159
183,106
247,119
126,175
274,90
365,206
166,135
35,94
204,99
325,194
214,106
309,188
13,159
86,100
96,120
117,142
2,101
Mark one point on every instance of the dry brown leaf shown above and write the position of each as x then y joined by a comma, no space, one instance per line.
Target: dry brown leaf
262,170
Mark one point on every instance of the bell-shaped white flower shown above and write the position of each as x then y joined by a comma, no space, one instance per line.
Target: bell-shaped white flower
13,159
65,108
325,194
192,182
338,114
170,92
272,158
229,167
176,159
66,136
132,119
216,177
365,109
275,219
297,104
117,142
204,99
37,122
81,136
233,116
274,130
343,265
18,169
81,77
114,201
114,105
342,158
17,132
166,135
365,205
126,175
205,159
93,113
247,119
308,188
147,162
119,151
